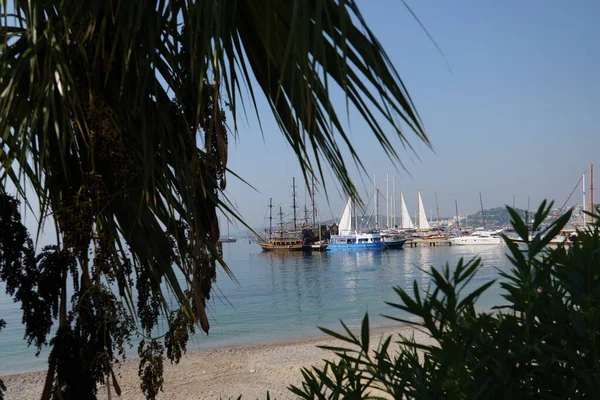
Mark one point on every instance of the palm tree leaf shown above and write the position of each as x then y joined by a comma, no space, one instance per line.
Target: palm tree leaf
108,100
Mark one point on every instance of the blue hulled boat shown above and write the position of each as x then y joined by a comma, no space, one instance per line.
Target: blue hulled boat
371,241
353,240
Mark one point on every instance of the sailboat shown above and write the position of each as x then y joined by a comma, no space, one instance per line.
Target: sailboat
405,221
349,239
227,239
423,225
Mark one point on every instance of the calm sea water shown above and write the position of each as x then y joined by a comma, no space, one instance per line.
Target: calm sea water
283,296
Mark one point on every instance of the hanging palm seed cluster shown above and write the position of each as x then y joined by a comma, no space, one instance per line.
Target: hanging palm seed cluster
133,195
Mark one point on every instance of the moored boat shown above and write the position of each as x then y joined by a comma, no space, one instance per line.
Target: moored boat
483,237
319,246
296,238
285,244
347,239
356,241
393,242
478,238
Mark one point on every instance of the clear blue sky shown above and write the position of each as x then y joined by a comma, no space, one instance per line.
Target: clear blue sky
516,113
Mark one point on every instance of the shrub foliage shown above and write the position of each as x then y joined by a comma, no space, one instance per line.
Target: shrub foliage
543,343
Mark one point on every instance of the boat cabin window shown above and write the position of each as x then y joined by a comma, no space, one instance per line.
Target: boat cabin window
376,240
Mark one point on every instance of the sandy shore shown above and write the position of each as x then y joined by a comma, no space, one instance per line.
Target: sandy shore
219,373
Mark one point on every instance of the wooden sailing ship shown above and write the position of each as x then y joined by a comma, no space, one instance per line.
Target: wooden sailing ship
286,244
299,239
282,240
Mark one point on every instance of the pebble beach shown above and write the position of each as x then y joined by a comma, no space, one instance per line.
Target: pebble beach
226,372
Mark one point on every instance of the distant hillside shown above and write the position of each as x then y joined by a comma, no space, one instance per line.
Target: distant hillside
499,217
494,217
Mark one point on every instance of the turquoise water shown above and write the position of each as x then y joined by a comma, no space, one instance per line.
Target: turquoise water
282,296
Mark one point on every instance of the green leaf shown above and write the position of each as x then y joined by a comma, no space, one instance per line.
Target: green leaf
365,334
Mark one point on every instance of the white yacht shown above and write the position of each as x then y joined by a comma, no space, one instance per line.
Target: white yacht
478,238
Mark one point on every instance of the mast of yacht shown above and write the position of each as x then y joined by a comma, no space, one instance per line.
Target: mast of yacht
355,216
355,213
376,206
387,200
457,216
394,201
270,217
437,210
294,199
592,205
374,200
584,207
280,222
313,201
482,215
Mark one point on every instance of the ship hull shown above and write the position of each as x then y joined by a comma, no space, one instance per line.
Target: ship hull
284,245
355,246
468,241
394,244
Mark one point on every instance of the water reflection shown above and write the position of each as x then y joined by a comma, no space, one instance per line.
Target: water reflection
286,295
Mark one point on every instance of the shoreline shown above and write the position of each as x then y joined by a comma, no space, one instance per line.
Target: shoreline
222,372
133,356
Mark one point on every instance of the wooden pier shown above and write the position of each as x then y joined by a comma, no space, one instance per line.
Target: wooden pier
427,242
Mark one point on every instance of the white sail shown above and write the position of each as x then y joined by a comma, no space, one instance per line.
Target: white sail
345,226
423,224
406,222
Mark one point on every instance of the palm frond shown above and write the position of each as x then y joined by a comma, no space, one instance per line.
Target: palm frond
114,112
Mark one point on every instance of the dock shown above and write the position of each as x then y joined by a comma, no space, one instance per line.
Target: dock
428,242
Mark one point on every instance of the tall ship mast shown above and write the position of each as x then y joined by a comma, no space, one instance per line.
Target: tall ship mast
270,218
294,200
314,209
